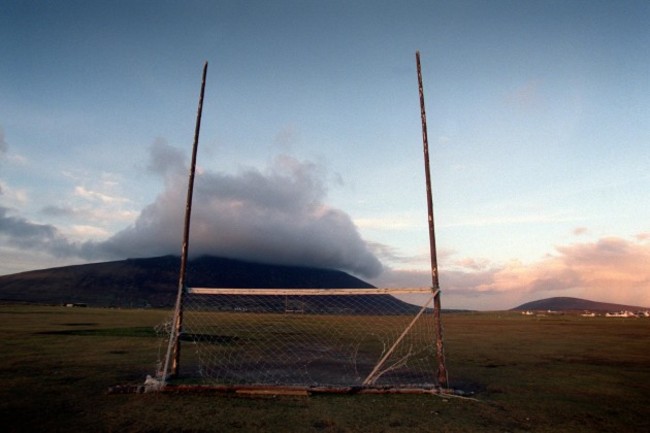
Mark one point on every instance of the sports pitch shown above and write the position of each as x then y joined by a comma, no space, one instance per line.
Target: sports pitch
533,374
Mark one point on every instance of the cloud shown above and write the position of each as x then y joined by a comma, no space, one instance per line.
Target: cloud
609,265
83,192
166,161
387,253
472,263
643,236
393,223
85,231
277,215
92,213
12,195
19,232
580,231
611,269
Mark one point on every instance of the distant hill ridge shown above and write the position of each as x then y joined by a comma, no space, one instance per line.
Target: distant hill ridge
574,304
154,282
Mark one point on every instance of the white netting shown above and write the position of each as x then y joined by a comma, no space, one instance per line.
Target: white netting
307,340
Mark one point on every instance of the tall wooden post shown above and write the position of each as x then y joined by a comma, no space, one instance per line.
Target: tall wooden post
440,352
174,348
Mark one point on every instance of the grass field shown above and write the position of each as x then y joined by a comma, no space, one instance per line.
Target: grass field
555,373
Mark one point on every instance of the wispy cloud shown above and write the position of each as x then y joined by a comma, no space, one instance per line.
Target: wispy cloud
391,254
392,223
83,192
90,213
643,236
88,232
578,231
476,264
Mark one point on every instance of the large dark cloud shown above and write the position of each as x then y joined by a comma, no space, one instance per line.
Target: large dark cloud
277,215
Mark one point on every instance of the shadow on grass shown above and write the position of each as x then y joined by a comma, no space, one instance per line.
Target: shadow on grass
138,331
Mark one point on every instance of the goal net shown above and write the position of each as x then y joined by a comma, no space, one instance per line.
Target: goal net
312,338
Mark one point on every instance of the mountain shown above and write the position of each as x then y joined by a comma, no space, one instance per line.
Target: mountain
574,304
154,282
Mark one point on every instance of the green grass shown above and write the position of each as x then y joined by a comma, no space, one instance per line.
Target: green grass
555,373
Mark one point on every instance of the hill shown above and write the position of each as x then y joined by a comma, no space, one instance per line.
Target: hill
574,304
154,281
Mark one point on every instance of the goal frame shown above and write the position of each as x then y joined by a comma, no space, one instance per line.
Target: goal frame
171,364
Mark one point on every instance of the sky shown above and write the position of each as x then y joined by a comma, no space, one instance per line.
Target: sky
310,150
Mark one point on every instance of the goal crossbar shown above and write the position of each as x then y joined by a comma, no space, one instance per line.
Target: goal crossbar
308,292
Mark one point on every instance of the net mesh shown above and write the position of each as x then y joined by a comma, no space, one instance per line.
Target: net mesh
299,340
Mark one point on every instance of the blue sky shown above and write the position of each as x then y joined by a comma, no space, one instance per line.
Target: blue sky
310,148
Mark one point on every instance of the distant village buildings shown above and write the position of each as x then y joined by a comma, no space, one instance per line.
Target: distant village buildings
623,313
628,314
75,304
